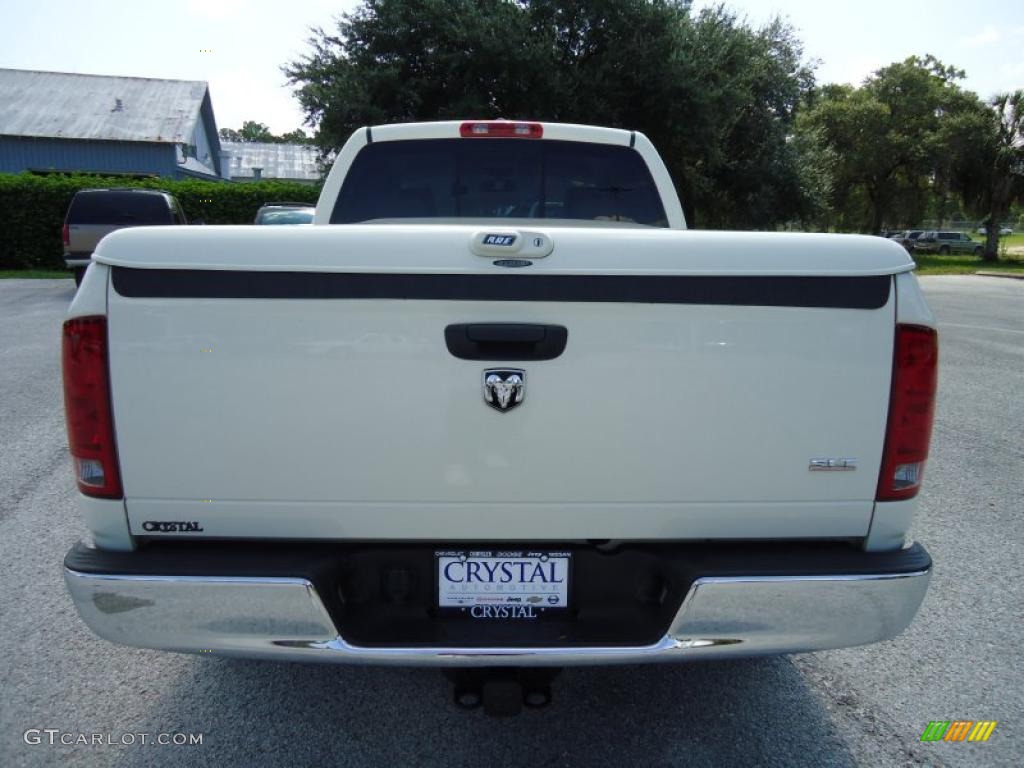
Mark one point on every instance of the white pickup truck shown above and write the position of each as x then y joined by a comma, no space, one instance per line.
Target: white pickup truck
497,408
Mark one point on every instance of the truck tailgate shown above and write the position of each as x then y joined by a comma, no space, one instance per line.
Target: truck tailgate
299,385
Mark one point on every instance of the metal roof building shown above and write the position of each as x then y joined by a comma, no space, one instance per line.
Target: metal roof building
252,161
63,122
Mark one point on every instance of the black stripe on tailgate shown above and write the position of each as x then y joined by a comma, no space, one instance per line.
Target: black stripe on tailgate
869,292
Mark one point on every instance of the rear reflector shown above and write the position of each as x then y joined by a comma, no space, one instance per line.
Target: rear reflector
911,410
87,407
501,129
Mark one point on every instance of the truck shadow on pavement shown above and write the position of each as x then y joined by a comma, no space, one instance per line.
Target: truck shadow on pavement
750,712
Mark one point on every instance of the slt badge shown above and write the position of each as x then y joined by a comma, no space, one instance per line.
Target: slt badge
504,388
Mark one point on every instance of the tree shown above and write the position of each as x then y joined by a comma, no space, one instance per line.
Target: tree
298,136
881,143
252,131
987,149
747,87
405,60
229,134
716,97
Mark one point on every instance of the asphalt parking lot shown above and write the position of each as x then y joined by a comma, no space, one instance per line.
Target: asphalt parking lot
963,658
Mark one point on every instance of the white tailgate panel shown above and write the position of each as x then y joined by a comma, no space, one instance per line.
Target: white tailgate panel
350,418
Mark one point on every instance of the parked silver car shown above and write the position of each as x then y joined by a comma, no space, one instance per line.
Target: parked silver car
907,238
947,242
285,213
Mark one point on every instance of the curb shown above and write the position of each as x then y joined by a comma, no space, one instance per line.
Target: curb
1010,275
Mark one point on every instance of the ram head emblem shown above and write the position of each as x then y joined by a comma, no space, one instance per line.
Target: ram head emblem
504,388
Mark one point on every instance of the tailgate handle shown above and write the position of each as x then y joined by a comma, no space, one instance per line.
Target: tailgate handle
505,341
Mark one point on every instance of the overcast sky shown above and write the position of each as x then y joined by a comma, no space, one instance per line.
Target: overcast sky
238,46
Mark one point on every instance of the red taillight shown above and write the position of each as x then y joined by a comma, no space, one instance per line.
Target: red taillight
87,407
911,408
65,234
501,129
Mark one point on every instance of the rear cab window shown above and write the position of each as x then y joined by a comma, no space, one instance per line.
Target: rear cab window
498,178
119,208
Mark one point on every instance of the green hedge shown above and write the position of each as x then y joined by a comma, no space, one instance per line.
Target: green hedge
32,208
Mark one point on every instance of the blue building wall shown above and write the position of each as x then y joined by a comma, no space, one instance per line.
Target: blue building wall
22,153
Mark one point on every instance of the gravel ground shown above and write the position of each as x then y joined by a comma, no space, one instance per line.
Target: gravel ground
961,659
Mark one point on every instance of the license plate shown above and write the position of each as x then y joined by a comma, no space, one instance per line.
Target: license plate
513,584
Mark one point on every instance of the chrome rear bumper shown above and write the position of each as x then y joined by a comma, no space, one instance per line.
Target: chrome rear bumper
284,618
